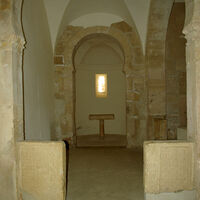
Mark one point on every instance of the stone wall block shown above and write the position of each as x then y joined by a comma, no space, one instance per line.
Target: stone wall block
59,49
6,77
168,166
156,72
58,60
129,83
135,72
42,170
156,44
134,39
122,26
138,57
157,97
156,58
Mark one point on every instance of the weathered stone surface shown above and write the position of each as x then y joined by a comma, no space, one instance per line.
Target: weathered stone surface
133,68
175,71
11,123
133,38
42,170
155,57
122,26
168,166
192,31
138,57
181,133
181,195
58,60
160,128
157,100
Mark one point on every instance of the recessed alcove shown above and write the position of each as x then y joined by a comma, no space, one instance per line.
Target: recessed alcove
100,56
155,98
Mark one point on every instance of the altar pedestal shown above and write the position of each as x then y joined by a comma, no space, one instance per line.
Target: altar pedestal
101,118
102,139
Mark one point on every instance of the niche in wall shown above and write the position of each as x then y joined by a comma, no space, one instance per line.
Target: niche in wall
100,55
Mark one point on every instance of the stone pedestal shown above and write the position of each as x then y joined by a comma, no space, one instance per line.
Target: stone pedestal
42,170
101,118
168,169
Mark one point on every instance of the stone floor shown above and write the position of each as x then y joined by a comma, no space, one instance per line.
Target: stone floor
113,140
105,174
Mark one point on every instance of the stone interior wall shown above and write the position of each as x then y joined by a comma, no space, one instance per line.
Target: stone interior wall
11,104
168,167
134,70
175,66
38,73
155,66
41,170
99,55
11,44
192,33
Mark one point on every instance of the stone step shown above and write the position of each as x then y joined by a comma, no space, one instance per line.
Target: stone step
109,140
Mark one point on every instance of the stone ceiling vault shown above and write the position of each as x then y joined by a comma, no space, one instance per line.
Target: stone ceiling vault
61,13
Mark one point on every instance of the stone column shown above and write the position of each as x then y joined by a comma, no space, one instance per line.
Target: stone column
192,32
11,104
155,61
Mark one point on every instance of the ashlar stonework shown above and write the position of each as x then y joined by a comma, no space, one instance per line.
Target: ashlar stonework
134,70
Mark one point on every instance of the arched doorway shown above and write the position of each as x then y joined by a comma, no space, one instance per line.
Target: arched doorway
133,68
99,55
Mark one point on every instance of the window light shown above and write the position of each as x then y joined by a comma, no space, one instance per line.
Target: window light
101,85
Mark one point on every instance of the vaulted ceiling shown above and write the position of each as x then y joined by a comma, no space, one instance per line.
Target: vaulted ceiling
61,13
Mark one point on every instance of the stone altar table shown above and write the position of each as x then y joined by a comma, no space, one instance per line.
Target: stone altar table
101,118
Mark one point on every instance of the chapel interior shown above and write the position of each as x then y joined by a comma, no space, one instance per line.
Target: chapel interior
99,99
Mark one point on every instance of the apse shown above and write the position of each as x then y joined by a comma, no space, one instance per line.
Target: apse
100,86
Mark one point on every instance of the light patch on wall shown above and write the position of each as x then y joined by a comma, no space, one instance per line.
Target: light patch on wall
101,85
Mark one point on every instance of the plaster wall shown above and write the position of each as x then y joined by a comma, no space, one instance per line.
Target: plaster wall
131,10
100,58
55,11
139,11
38,72
96,19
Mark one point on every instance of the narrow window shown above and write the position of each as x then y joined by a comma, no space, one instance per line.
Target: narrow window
101,85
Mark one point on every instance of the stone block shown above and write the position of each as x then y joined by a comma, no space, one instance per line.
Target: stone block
182,133
133,96
182,83
156,58
138,57
59,49
122,26
134,39
182,195
129,83
131,125
156,44
183,115
156,73
160,128
168,166
42,170
157,100
58,60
